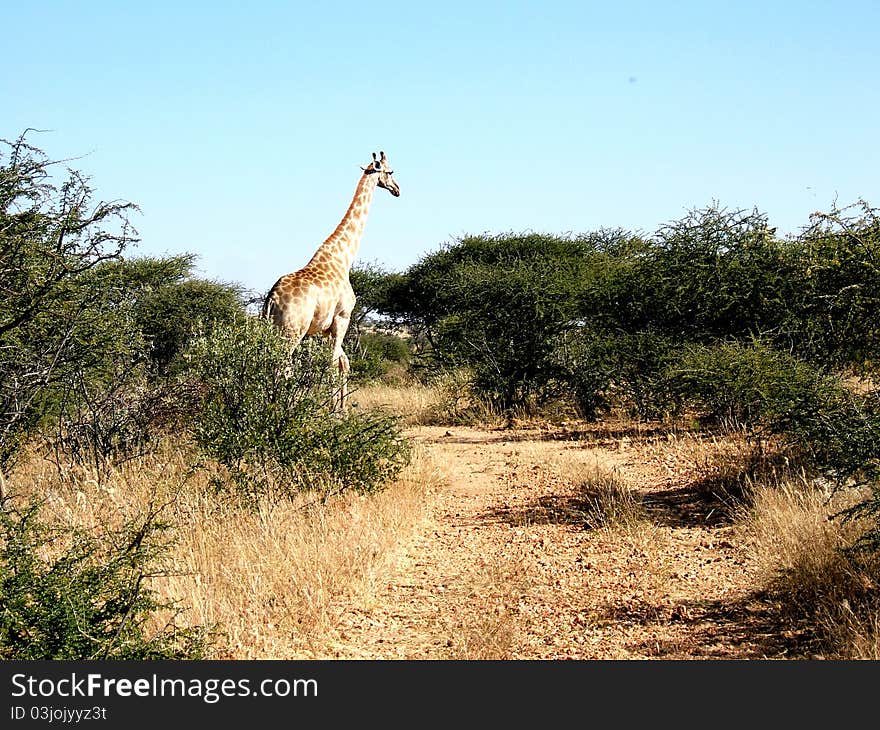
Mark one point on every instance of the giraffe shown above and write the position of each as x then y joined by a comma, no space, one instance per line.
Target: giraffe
318,299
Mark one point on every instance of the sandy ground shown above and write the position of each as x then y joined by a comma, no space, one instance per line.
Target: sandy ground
509,566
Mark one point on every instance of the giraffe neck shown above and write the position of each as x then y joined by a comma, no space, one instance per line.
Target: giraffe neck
342,245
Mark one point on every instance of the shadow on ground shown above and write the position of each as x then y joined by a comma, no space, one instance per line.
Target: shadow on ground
754,627
546,510
702,502
699,503
598,434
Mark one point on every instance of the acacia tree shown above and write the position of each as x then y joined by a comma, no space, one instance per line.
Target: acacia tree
371,342
834,316
496,305
51,235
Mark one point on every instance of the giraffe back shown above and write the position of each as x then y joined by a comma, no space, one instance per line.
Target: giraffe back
308,301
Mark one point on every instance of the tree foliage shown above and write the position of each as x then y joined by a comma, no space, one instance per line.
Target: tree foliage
85,331
496,304
268,416
52,237
834,301
90,599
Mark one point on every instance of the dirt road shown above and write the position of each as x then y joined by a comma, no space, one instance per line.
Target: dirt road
510,565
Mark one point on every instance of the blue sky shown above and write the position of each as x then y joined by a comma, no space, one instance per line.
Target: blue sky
239,128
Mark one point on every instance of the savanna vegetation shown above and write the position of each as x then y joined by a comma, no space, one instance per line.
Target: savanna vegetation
185,485
114,364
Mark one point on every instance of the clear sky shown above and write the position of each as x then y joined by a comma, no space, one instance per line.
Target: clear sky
239,128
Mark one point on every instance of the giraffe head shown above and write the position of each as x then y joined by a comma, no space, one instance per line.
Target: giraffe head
379,166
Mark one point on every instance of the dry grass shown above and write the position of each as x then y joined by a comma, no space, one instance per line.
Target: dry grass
277,579
449,401
273,580
852,631
414,403
610,502
488,625
798,546
605,499
721,458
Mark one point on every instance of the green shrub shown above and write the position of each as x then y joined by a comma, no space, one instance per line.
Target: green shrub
627,370
496,305
92,600
844,437
171,313
83,330
586,376
458,402
373,351
376,354
110,400
834,431
843,440
52,236
713,274
268,416
834,311
755,385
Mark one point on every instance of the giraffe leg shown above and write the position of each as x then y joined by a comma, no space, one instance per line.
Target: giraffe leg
340,359
295,337
344,367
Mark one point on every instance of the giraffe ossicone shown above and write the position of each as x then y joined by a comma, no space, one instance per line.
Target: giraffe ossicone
318,299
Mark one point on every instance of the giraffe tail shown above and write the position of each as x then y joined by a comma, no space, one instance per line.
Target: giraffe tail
268,306
271,310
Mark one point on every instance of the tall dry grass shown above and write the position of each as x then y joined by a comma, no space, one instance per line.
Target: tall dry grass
449,400
610,502
800,546
792,532
414,403
273,580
